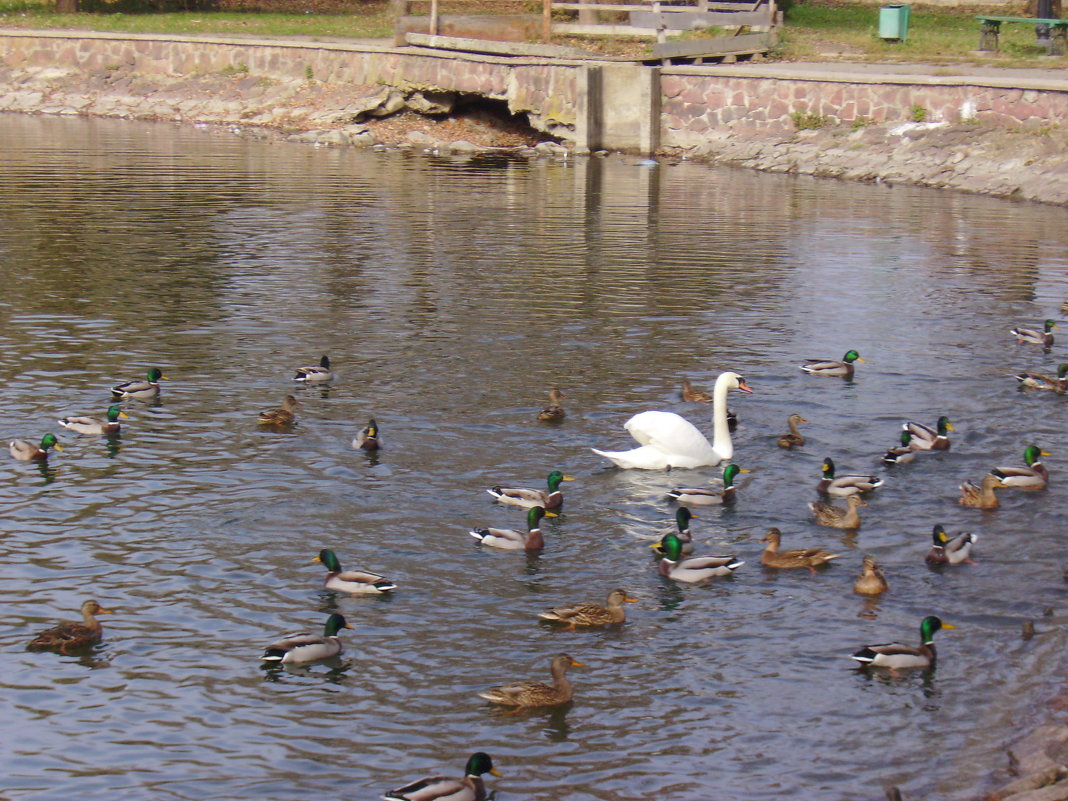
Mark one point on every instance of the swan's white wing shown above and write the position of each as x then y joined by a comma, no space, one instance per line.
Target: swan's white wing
682,444
643,458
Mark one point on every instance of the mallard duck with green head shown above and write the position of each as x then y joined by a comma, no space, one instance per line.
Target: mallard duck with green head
1058,384
842,486
443,788
925,438
694,568
24,450
948,550
808,558
283,417
512,539
307,647
140,390
1033,337
698,496
73,636
554,412
536,693
590,614
827,514
897,656
354,582
902,454
1033,476
683,516
843,368
94,425
369,438
551,499
316,373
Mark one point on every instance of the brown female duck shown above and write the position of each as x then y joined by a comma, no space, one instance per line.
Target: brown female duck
67,637
828,514
793,437
809,558
554,412
280,417
981,496
871,580
591,614
536,693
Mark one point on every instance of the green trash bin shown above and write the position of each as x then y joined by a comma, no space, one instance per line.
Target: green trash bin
894,22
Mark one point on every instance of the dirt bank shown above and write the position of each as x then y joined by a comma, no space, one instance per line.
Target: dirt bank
983,159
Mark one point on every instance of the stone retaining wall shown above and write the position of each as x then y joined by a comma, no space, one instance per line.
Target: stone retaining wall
545,90
699,106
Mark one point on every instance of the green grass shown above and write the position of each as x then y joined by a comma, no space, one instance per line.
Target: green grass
370,20
938,36
813,30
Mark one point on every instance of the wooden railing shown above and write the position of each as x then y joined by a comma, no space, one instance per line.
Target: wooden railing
659,18
639,18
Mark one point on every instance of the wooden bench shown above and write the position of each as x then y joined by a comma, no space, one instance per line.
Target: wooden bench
1058,32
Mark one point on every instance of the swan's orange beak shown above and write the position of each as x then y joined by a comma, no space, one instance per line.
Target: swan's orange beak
744,387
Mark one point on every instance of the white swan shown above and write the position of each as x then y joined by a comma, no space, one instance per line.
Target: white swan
669,440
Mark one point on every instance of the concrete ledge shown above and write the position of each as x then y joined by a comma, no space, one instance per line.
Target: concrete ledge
496,47
897,75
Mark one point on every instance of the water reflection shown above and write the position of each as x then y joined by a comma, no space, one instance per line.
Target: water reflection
451,296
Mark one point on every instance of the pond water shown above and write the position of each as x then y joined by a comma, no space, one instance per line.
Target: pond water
450,297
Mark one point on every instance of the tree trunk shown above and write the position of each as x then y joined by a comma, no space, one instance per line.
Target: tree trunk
66,6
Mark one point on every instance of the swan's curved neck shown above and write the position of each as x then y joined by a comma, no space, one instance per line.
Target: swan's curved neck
721,433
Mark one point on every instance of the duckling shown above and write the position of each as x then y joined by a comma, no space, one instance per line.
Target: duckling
902,454
792,438
25,451
830,515
1030,336
696,568
591,614
809,558
93,425
520,496
692,395
369,438
981,497
946,551
1045,382
442,788
925,438
140,390
536,693
696,496
554,412
304,647
513,540
314,375
67,637
896,656
843,368
841,486
871,580
283,417
1034,476
356,582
